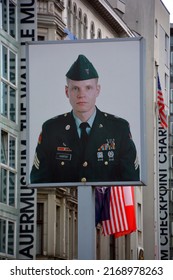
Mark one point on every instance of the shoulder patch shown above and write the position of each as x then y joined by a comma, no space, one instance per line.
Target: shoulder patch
40,138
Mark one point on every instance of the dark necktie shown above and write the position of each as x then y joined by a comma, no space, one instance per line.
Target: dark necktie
84,135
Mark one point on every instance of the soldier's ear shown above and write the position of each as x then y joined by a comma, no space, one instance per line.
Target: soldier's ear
66,91
98,89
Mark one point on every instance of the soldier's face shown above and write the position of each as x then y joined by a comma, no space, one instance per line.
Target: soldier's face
82,95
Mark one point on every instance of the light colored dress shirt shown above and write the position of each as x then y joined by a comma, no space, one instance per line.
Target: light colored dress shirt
90,122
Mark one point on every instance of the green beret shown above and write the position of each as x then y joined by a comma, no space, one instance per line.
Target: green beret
82,69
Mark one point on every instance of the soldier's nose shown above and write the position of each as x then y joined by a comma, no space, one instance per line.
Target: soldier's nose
81,93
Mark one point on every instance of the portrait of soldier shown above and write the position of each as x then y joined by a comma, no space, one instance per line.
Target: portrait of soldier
85,144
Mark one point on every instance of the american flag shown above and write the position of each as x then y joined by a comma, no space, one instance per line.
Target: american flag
161,105
122,219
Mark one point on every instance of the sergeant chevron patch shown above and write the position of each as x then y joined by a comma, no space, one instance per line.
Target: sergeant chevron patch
136,163
36,161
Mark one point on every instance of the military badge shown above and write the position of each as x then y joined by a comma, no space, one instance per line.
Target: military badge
63,156
103,147
99,156
67,127
63,149
109,145
111,155
87,71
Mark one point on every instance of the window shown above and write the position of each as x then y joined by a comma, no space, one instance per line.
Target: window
99,34
41,38
171,64
171,95
98,243
71,231
166,90
166,83
171,199
139,223
8,169
40,213
166,49
171,108
58,231
9,17
171,58
7,237
171,176
156,27
171,142
69,13
70,234
85,26
74,18
80,24
171,161
127,247
8,87
112,247
2,236
166,42
171,128
92,30
8,149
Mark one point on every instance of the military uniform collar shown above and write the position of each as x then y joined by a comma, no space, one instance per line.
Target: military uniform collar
78,121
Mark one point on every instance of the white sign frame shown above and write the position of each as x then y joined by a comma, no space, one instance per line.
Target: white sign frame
120,64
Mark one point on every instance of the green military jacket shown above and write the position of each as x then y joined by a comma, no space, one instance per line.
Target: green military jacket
110,154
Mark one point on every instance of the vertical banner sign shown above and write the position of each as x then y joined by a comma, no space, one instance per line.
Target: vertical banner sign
163,182
27,220
163,193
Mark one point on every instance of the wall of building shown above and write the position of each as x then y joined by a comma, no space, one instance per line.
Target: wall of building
57,209
143,17
9,130
96,26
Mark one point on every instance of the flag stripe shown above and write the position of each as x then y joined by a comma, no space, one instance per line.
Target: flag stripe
161,105
121,208
120,199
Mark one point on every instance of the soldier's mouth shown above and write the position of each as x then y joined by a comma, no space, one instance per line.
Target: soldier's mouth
81,103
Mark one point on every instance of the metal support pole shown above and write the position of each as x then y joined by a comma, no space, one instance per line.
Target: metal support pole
86,223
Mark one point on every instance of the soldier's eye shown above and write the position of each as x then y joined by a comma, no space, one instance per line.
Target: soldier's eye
75,88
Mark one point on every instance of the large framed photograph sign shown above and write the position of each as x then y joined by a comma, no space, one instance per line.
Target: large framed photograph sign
100,82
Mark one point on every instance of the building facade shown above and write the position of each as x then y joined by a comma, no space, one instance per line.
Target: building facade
9,129
51,231
151,20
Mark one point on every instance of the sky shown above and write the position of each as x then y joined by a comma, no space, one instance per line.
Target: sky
169,5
